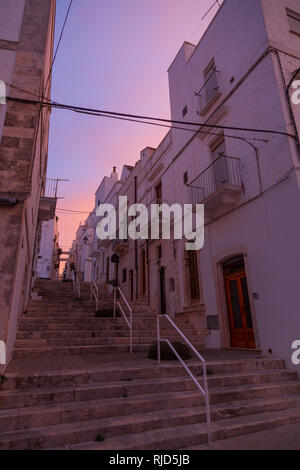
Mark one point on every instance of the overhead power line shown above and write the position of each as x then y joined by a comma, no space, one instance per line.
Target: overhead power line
72,210
99,112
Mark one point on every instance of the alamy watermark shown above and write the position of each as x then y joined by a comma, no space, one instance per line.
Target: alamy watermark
2,353
296,93
296,354
134,222
2,92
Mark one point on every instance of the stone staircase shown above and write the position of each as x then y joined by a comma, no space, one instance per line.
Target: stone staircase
55,396
143,406
59,324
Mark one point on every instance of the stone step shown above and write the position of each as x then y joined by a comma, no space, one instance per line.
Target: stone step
243,388
38,421
81,350
180,437
145,320
94,325
107,340
220,369
21,335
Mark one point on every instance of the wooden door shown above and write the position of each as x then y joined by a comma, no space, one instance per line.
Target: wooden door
193,275
131,284
162,286
238,306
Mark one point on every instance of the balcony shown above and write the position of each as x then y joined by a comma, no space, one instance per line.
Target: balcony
209,92
120,246
48,199
219,185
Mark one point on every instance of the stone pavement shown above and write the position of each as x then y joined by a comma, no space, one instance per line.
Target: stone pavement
282,438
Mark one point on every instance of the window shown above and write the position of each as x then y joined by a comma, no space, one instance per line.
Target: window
159,252
172,284
124,275
158,193
211,82
294,21
184,111
185,177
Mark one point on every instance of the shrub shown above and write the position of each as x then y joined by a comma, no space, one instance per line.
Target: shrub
166,353
100,438
106,313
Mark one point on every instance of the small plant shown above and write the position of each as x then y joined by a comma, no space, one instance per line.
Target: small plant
208,372
106,313
3,379
99,438
166,353
129,379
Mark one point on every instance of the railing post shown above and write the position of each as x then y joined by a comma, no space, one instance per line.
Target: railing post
158,339
115,298
208,423
130,331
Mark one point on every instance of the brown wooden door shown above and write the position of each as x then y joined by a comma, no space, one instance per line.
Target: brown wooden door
131,284
162,287
193,275
238,305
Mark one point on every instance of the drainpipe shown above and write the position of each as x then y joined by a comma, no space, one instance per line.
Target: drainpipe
148,270
287,94
135,247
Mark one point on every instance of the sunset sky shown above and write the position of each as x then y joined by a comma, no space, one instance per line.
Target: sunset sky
114,55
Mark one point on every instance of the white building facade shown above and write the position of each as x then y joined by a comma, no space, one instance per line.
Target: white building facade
242,162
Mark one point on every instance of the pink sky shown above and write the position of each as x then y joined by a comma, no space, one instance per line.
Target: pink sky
114,55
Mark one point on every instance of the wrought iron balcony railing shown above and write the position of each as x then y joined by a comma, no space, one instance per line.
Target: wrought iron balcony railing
50,187
209,91
223,172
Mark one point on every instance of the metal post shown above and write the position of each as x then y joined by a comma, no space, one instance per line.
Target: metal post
158,339
209,436
130,331
115,291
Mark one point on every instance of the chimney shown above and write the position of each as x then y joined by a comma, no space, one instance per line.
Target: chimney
114,173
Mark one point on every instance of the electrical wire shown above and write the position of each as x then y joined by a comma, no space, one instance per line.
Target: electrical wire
72,210
100,113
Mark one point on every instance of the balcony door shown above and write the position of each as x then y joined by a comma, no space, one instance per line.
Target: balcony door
238,305
220,173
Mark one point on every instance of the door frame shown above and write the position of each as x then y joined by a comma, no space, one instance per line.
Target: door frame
221,300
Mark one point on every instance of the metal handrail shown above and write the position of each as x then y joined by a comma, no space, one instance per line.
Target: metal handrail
129,322
76,287
94,293
204,390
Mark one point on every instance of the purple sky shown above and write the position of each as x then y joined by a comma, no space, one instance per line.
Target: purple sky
114,55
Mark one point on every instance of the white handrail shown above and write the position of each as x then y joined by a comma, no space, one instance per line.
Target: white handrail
94,293
204,390
76,287
129,322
